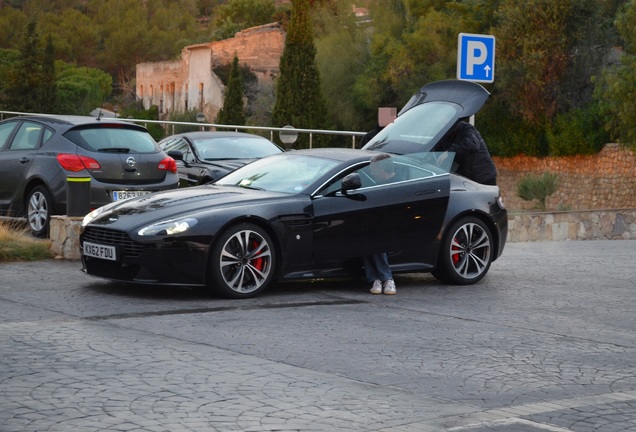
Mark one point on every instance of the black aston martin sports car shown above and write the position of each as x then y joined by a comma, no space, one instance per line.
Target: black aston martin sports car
303,214
306,214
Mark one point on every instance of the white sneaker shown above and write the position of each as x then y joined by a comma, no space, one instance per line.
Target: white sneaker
377,287
389,287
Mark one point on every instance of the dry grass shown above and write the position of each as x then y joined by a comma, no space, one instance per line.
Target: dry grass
17,244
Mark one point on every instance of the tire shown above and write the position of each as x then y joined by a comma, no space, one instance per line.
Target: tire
39,207
242,262
466,252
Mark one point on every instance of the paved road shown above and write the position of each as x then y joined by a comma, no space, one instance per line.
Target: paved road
545,343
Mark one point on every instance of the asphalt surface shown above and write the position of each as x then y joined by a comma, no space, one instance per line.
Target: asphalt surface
545,342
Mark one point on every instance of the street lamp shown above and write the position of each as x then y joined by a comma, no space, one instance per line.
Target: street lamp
288,137
201,118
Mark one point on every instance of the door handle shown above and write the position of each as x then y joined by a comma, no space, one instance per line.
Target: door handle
24,160
425,192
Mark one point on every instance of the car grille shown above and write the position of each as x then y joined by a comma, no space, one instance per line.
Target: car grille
113,238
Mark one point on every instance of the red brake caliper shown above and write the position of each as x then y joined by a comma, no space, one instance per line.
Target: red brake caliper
455,256
258,263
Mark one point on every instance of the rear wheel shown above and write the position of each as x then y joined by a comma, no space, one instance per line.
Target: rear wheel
466,252
39,208
242,261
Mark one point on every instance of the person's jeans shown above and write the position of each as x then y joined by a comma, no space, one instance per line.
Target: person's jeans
376,266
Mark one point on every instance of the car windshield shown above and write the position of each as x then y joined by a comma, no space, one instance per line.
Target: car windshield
423,125
216,148
285,173
112,139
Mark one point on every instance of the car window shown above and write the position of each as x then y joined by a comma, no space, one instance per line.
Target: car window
289,173
48,133
405,168
112,139
216,148
5,132
179,144
27,137
420,125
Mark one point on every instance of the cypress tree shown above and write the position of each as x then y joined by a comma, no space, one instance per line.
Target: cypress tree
25,79
48,90
299,101
232,111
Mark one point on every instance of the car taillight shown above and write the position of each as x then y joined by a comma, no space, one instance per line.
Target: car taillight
75,163
168,164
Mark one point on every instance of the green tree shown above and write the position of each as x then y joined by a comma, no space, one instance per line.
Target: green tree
48,91
532,56
237,15
342,53
299,101
75,35
81,89
232,112
24,81
13,23
616,89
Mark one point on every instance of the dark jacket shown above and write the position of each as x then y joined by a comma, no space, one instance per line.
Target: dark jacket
471,154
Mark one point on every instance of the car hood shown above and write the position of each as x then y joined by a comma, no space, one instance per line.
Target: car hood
175,203
223,166
428,116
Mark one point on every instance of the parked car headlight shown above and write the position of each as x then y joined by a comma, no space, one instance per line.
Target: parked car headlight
172,227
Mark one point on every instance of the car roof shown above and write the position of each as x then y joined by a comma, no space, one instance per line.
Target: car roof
215,134
339,154
63,123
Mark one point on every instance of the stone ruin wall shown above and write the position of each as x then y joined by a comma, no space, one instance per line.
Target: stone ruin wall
606,180
260,48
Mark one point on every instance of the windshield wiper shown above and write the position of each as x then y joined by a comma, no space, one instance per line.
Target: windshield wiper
220,159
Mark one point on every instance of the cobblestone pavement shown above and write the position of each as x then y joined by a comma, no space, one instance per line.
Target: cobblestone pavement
545,342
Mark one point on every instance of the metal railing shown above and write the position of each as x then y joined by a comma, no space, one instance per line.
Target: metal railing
285,133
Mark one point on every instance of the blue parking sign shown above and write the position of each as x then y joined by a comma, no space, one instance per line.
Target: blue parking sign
476,57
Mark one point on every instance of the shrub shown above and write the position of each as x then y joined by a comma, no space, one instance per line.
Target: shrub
579,131
506,135
17,244
538,187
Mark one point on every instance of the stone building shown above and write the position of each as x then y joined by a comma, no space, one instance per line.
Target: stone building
190,82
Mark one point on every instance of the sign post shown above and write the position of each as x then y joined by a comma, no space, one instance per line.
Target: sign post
476,58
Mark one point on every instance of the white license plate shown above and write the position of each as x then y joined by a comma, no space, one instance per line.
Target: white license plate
100,251
122,195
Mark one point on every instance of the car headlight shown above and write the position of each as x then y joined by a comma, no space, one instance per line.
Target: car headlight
171,227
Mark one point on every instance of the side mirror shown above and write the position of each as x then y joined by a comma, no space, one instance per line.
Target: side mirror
351,181
176,154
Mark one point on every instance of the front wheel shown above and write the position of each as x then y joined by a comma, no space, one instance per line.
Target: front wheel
466,252
39,208
242,261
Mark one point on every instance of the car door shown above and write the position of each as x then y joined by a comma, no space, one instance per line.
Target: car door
190,172
404,215
21,142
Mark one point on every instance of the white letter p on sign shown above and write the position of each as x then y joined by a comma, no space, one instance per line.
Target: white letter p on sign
477,55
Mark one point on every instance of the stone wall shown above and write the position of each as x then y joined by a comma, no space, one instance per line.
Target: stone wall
606,180
579,225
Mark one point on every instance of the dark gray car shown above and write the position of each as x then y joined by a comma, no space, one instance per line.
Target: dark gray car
39,153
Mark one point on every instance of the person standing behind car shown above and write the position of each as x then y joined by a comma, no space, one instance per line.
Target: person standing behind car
386,116
376,266
471,153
